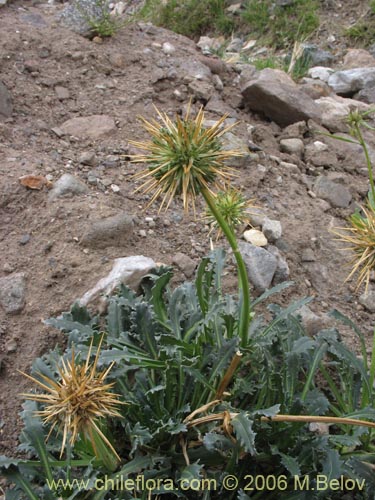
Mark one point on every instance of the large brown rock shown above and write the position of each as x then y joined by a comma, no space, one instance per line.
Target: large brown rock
274,94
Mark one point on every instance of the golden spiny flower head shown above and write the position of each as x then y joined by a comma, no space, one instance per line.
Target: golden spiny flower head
78,401
184,157
361,237
234,208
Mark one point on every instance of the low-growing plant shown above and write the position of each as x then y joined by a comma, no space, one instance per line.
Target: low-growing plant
281,25
100,19
210,395
191,17
201,407
360,234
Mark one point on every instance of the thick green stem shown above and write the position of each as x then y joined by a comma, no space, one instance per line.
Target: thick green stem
242,273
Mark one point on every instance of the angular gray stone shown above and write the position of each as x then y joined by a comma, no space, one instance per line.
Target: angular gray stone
67,184
292,146
111,231
12,293
336,194
81,14
366,95
282,272
126,270
349,81
6,107
273,93
320,155
272,230
201,89
317,56
93,127
368,300
261,265
185,263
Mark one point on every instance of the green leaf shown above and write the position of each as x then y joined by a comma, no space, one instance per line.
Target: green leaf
192,471
290,463
157,292
35,432
271,291
242,426
332,464
15,476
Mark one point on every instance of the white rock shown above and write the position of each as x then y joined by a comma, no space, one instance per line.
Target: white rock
255,237
168,48
115,188
320,73
126,270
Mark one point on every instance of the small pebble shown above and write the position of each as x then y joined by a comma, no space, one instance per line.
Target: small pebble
25,238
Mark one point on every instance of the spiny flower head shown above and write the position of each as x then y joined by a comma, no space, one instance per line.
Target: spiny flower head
234,208
78,401
361,237
184,157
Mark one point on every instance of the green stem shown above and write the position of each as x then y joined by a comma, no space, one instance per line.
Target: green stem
368,161
242,273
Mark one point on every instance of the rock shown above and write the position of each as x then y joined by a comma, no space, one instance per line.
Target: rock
334,111
368,300
25,238
126,270
231,142
348,82
92,127
12,293
366,95
62,93
6,107
272,230
312,322
185,263
292,147
80,15
261,265
235,45
320,155
274,93
308,255
358,58
3,2
296,130
257,217
255,237
209,45
168,48
201,89
317,56
282,272
315,88
320,72
336,194
88,158
67,184
111,231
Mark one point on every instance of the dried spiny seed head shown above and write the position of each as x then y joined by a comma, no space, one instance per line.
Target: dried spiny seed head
78,401
184,157
361,238
234,208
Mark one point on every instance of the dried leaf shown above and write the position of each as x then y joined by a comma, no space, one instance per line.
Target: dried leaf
34,181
